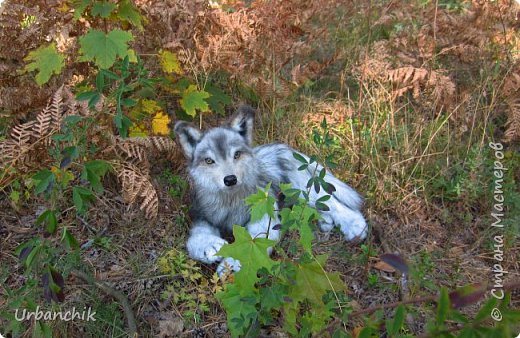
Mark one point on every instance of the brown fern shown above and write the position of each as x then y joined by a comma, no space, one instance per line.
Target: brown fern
136,186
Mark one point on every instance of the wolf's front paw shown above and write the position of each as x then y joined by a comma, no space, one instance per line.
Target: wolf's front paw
355,228
204,247
228,265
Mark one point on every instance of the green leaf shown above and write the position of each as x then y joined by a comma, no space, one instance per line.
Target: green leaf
103,9
340,333
299,217
252,254
82,198
47,61
443,306
193,100
79,7
299,157
468,332
43,179
169,62
485,311
104,48
261,204
312,282
128,12
396,324
240,309
69,239
49,218
217,100
123,123
93,171
271,297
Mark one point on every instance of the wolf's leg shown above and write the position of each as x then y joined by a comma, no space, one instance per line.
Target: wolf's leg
351,222
262,228
204,242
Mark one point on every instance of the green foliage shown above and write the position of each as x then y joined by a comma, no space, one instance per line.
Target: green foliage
129,13
296,286
188,290
193,100
252,254
47,61
103,9
261,204
104,48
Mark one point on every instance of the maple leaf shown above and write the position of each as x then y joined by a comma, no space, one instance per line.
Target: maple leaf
252,254
240,308
150,106
169,62
217,100
312,282
47,61
103,9
79,7
160,124
193,100
104,48
261,203
128,12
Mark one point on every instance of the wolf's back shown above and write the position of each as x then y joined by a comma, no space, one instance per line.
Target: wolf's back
278,165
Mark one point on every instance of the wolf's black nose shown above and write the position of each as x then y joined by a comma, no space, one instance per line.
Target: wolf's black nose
230,180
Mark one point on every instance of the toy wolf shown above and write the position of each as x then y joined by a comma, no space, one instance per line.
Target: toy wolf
225,168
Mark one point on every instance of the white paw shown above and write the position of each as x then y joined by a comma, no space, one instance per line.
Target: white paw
204,247
355,228
228,265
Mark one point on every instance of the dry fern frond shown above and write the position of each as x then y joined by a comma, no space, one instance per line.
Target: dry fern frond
412,78
27,147
407,78
513,122
137,186
511,84
156,145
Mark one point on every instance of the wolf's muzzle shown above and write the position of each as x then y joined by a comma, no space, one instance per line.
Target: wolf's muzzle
230,180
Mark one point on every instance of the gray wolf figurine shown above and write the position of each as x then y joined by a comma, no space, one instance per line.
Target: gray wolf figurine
224,169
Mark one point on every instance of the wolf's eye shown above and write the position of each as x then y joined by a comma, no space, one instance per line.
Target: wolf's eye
208,160
237,155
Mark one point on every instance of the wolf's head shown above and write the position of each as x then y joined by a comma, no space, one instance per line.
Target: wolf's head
220,158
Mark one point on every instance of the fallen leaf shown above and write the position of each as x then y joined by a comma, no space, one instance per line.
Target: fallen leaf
382,266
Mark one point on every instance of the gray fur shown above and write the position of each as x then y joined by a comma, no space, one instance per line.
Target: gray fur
217,207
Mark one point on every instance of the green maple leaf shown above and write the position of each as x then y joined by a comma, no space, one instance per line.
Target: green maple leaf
103,9
261,203
128,12
240,308
79,7
193,100
217,100
252,254
104,48
312,282
47,61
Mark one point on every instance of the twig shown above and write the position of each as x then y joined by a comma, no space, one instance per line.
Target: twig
432,298
121,298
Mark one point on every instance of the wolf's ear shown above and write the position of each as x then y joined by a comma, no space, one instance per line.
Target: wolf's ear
188,137
242,122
